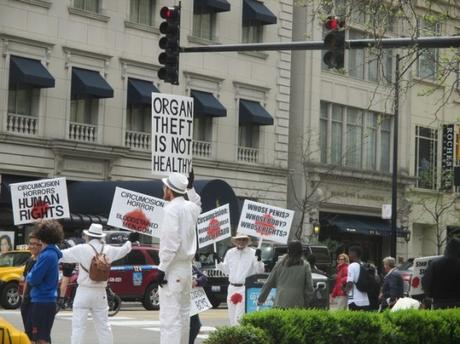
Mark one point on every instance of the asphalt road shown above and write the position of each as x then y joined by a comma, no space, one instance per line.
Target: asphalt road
133,324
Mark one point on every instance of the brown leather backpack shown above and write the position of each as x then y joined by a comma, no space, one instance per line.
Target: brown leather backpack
99,269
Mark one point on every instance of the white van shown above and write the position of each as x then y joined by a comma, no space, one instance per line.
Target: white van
419,267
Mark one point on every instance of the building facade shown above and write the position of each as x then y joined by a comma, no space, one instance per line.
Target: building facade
76,78
341,130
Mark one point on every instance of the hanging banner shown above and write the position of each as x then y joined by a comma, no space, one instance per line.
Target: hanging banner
200,301
172,134
136,212
265,221
214,226
39,199
447,164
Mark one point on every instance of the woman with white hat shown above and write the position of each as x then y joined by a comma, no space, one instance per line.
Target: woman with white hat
240,262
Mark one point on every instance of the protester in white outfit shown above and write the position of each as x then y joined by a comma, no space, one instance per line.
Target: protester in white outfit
177,248
91,295
240,262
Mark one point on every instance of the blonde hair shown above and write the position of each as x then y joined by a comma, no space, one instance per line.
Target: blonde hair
345,257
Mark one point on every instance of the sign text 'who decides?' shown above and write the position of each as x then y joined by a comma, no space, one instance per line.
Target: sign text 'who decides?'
172,131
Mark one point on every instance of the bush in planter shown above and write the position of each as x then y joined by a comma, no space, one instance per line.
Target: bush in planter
273,322
238,335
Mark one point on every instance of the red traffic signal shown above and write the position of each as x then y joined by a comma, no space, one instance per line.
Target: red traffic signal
169,43
334,41
169,12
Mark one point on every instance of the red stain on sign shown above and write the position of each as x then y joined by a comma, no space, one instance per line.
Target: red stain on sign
213,228
264,226
136,221
415,282
39,209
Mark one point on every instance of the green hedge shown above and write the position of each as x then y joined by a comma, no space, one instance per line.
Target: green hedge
298,326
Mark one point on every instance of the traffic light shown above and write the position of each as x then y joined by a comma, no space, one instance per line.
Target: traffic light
170,28
335,43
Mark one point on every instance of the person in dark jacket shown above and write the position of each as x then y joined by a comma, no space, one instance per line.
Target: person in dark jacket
393,284
34,246
199,280
441,280
292,279
43,279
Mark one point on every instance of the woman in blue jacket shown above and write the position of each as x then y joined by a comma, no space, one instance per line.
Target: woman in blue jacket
43,280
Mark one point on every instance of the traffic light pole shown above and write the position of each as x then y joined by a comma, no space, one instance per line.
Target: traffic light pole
394,176
385,43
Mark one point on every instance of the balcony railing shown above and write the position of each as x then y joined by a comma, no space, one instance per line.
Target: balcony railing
137,140
82,132
247,154
20,124
202,149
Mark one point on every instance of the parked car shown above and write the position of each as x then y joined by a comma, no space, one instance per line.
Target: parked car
133,278
217,285
11,273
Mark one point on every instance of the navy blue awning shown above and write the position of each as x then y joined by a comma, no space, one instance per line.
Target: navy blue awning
366,225
212,5
253,112
29,72
140,91
82,199
205,104
89,84
255,11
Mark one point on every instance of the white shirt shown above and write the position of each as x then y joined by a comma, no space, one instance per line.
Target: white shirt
83,254
355,296
239,264
177,231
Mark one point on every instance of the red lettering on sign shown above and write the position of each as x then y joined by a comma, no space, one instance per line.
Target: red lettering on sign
213,228
136,221
39,209
265,225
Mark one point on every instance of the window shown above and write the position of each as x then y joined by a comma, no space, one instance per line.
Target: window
253,33
136,257
324,120
370,141
139,118
202,129
203,23
23,100
356,61
428,58
354,137
142,12
336,134
380,65
363,138
385,143
87,5
426,143
248,135
84,111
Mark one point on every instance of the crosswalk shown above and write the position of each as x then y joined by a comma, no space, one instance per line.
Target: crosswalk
147,325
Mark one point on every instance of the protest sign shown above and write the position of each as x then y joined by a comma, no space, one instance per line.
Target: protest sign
200,302
136,212
39,199
172,134
265,221
214,226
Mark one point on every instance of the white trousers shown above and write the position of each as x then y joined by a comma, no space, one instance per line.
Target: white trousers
235,310
92,300
175,305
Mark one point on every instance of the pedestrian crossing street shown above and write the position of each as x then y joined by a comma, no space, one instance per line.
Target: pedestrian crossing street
147,325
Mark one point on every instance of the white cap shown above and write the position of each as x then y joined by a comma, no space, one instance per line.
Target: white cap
176,182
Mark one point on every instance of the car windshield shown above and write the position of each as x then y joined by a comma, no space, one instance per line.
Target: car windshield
13,258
